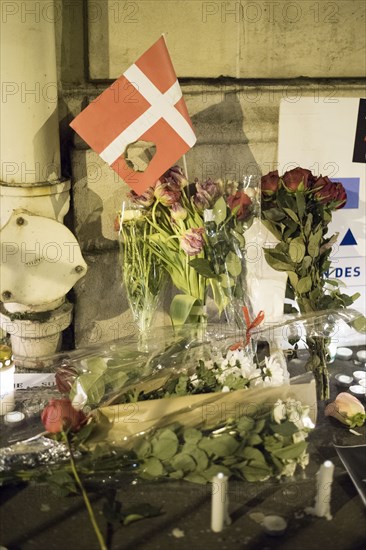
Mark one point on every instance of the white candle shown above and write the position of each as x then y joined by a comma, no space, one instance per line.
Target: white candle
219,503
324,487
361,355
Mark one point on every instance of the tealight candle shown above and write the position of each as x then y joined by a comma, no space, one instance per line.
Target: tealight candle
344,353
359,375
13,418
343,380
357,390
274,525
219,503
361,355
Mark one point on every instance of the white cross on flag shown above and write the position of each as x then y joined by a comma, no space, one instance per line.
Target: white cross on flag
144,104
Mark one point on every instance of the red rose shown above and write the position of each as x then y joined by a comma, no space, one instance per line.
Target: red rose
242,202
298,179
269,183
59,415
327,191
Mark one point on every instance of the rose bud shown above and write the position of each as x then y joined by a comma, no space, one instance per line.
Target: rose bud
192,241
241,202
59,415
270,183
298,179
65,377
347,409
167,193
327,192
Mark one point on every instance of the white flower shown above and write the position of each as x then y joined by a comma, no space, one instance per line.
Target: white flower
80,398
289,468
279,411
299,436
227,372
273,373
225,389
303,459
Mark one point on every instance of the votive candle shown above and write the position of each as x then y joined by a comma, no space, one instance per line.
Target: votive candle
219,502
324,488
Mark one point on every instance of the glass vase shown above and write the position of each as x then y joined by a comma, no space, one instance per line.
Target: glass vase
142,271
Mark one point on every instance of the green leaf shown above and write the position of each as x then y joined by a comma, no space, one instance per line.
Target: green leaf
300,202
203,267
249,453
314,242
96,365
142,448
286,428
308,225
293,279
180,308
152,468
215,469
184,462
254,439
165,445
304,285
291,451
200,457
292,215
192,435
92,384
139,511
255,471
272,228
297,250
233,264
278,265
222,445
359,324
226,281
219,211
245,425
273,214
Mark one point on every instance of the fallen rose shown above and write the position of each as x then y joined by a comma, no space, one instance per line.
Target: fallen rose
65,377
167,193
60,416
347,409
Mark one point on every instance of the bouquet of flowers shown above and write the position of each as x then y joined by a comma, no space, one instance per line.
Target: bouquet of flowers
297,208
196,234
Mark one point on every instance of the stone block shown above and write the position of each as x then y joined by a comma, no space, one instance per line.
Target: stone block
239,39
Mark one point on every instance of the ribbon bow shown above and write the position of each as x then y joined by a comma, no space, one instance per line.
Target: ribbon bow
250,326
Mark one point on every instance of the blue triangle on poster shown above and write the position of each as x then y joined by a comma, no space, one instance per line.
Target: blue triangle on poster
348,239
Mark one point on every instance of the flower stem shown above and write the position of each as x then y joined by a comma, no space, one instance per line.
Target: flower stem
85,496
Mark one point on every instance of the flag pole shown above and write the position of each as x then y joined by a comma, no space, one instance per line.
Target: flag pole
185,169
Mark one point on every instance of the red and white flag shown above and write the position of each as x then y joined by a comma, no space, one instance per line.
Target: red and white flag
144,104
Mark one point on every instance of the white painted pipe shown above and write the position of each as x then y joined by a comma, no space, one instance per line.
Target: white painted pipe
29,138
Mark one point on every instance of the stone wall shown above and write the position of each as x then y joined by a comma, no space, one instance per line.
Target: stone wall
236,62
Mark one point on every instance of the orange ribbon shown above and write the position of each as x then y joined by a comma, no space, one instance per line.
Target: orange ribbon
250,326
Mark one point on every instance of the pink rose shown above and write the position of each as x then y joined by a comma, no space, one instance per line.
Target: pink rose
347,409
178,212
59,415
192,242
146,199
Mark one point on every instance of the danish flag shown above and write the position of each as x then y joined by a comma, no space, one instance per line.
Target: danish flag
144,104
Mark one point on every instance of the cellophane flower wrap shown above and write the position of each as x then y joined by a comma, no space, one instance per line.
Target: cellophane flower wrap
196,233
297,208
189,408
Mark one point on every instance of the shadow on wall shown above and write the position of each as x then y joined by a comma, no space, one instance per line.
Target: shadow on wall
222,149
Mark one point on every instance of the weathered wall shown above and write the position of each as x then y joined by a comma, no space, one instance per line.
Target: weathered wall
258,49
